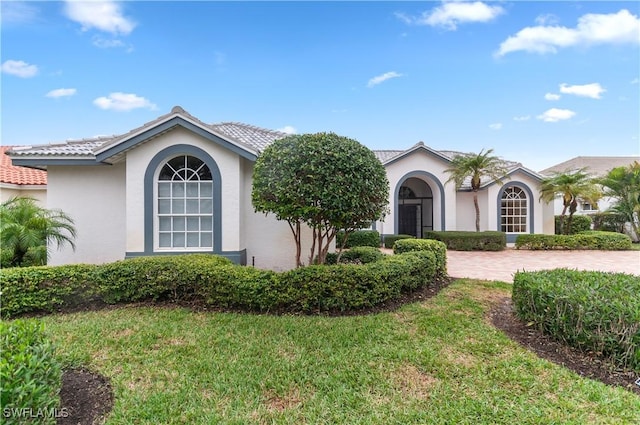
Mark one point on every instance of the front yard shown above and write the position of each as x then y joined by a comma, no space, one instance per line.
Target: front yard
437,361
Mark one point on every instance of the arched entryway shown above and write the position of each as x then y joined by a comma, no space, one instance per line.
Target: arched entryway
414,205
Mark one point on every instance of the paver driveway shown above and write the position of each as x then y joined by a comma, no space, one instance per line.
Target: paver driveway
503,264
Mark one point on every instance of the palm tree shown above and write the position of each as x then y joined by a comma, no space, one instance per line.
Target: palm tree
476,167
26,227
572,186
623,185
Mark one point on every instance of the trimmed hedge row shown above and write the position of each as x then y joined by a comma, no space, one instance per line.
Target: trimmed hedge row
439,249
390,240
593,311
217,282
591,239
470,241
29,371
579,223
356,255
359,238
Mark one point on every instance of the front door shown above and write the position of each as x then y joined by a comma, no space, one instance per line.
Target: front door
408,220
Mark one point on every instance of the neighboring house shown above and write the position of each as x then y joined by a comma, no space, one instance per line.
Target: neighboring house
20,181
177,184
596,166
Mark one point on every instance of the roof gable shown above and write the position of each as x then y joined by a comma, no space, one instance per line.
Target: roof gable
596,165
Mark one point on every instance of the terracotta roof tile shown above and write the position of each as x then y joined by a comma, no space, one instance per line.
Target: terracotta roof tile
12,174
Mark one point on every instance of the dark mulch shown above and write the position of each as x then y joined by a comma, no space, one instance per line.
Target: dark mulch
86,398
584,364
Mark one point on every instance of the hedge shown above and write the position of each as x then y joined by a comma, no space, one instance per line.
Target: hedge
608,241
609,222
470,241
357,255
593,311
215,281
359,238
438,248
30,373
390,240
579,223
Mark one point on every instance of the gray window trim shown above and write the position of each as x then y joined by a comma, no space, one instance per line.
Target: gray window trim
396,193
511,237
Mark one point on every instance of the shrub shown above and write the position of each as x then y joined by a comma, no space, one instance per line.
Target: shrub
586,240
357,255
359,238
593,311
579,223
29,371
390,240
470,241
438,248
609,222
34,289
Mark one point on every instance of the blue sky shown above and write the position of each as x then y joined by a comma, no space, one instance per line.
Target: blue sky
539,82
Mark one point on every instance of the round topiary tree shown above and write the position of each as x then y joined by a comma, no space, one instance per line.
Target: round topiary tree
326,181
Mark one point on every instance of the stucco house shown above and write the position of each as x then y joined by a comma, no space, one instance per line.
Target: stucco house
178,184
20,181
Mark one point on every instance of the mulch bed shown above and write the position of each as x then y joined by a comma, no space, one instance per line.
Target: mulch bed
86,398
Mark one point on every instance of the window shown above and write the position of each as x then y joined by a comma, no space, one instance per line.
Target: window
513,210
587,206
184,208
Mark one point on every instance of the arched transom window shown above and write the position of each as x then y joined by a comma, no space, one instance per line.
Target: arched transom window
513,211
185,205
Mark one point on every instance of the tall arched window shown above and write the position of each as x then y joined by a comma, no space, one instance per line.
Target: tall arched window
184,205
514,210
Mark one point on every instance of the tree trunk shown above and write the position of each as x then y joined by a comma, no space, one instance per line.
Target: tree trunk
295,229
475,204
572,209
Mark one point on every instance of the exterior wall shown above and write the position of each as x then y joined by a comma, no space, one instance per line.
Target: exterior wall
421,164
466,211
229,167
94,198
37,192
269,242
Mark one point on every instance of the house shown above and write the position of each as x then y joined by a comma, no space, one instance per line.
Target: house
596,166
177,184
20,181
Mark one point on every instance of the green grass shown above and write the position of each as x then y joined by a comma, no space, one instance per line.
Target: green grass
437,362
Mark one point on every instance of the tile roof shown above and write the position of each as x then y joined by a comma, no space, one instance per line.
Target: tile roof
12,174
256,137
596,165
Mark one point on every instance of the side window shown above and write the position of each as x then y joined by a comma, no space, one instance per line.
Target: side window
514,210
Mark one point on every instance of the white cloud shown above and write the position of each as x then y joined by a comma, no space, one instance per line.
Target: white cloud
123,102
288,129
496,126
593,90
635,81
555,115
522,118
384,77
18,12
61,93
450,14
103,15
548,19
592,28
104,43
19,69
552,96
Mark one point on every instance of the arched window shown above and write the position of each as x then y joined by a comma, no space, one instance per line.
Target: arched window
184,209
514,210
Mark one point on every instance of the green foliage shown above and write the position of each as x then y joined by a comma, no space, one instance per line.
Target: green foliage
390,240
476,167
359,238
356,255
470,241
580,223
609,222
26,228
45,289
217,282
608,241
29,371
323,180
439,249
593,311
623,185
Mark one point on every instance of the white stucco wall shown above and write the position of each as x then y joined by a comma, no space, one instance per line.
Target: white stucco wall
94,198
228,163
466,211
421,161
37,192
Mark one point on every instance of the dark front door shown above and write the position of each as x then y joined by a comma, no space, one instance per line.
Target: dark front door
408,220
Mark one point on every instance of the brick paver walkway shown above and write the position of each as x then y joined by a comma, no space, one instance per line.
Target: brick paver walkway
503,264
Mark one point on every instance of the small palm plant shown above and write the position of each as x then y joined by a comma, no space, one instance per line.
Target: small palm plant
476,167
26,229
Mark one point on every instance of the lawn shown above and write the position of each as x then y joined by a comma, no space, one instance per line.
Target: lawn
439,361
